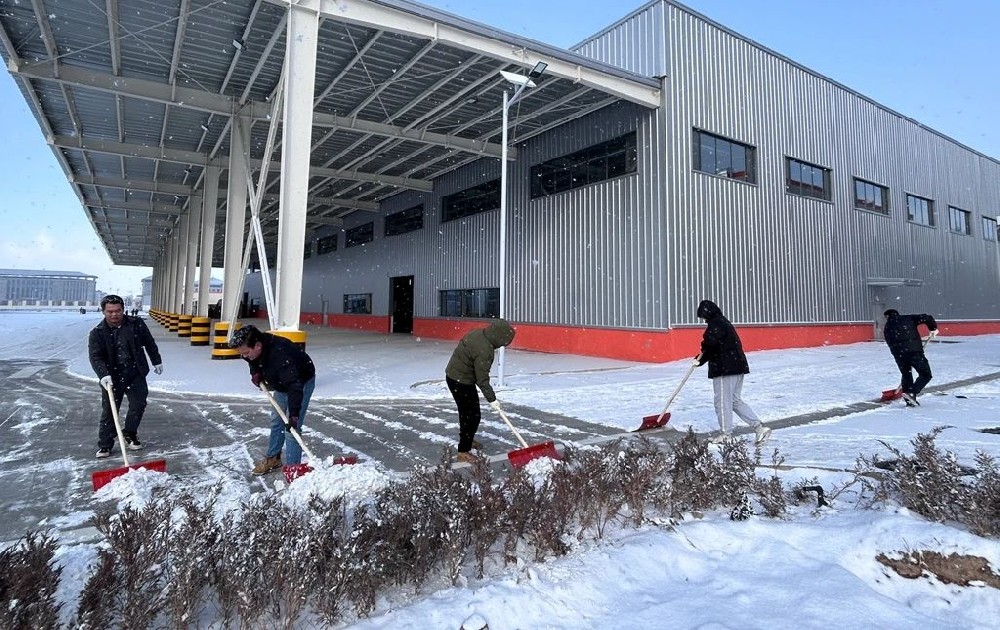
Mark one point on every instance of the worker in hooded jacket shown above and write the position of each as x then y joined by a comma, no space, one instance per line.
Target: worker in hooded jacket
468,368
727,364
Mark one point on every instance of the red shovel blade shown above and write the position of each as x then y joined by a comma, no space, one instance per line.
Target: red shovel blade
891,394
653,422
294,471
522,456
102,478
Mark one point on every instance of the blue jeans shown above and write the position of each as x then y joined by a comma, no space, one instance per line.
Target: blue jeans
279,436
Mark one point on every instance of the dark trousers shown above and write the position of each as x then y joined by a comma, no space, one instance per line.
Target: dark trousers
909,361
467,400
136,391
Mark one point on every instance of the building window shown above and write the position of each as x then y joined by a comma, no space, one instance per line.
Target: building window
990,232
358,303
807,180
959,220
871,197
596,163
718,156
471,201
470,303
408,220
919,210
326,244
359,235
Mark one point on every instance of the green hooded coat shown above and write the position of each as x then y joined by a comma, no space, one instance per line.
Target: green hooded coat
473,357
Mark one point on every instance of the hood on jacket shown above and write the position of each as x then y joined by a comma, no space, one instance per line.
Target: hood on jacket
499,333
889,314
707,309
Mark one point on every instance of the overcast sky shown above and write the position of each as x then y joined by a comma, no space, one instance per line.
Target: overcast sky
932,61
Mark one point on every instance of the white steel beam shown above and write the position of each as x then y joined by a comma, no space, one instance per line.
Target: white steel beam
391,18
210,206
236,217
301,43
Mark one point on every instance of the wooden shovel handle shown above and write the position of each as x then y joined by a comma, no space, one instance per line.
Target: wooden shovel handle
118,424
516,433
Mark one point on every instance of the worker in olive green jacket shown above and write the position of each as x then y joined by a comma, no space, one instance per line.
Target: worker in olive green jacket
470,366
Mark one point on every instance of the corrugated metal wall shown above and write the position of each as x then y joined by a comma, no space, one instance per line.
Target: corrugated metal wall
768,256
585,257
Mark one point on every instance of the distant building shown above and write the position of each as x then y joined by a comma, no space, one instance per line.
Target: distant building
36,285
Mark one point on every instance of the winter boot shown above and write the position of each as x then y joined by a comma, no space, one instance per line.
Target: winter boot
267,465
762,433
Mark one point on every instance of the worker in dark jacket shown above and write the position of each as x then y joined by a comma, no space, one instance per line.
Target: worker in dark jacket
289,373
727,364
468,368
118,347
901,335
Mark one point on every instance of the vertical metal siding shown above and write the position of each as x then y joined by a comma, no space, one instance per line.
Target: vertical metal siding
772,257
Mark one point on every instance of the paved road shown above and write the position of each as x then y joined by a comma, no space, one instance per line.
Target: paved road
48,424
49,427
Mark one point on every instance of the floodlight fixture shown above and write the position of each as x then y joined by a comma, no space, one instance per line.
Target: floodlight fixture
237,44
204,128
538,70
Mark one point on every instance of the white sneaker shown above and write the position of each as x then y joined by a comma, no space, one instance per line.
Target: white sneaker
762,433
719,438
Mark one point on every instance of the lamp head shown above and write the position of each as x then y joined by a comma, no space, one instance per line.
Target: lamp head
517,79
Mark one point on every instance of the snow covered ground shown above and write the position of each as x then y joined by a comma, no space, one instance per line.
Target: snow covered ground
814,568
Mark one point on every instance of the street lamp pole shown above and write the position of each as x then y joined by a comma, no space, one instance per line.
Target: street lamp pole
522,83
503,232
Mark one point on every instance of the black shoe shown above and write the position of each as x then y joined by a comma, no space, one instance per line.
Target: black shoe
910,400
132,442
103,453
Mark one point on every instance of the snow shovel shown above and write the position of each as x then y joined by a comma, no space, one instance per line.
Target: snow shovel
102,478
294,471
889,395
657,422
522,456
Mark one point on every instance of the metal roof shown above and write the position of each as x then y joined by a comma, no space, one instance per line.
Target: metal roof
137,97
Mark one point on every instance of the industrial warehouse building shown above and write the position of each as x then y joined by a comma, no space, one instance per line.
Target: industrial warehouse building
662,161
44,288
801,207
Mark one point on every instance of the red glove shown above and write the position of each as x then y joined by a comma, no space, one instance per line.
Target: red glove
255,378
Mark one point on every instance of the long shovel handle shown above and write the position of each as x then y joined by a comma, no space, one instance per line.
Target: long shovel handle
516,433
288,423
118,424
676,391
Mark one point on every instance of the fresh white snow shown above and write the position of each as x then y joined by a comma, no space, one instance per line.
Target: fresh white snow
813,568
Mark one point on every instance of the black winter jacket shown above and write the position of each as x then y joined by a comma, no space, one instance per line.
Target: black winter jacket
284,367
901,334
137,337
720,345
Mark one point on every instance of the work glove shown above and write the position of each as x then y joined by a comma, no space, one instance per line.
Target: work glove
293,422
255,378
495,406
696,361
932,334
106,381
158,368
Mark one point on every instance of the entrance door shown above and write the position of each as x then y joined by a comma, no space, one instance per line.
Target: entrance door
402,304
